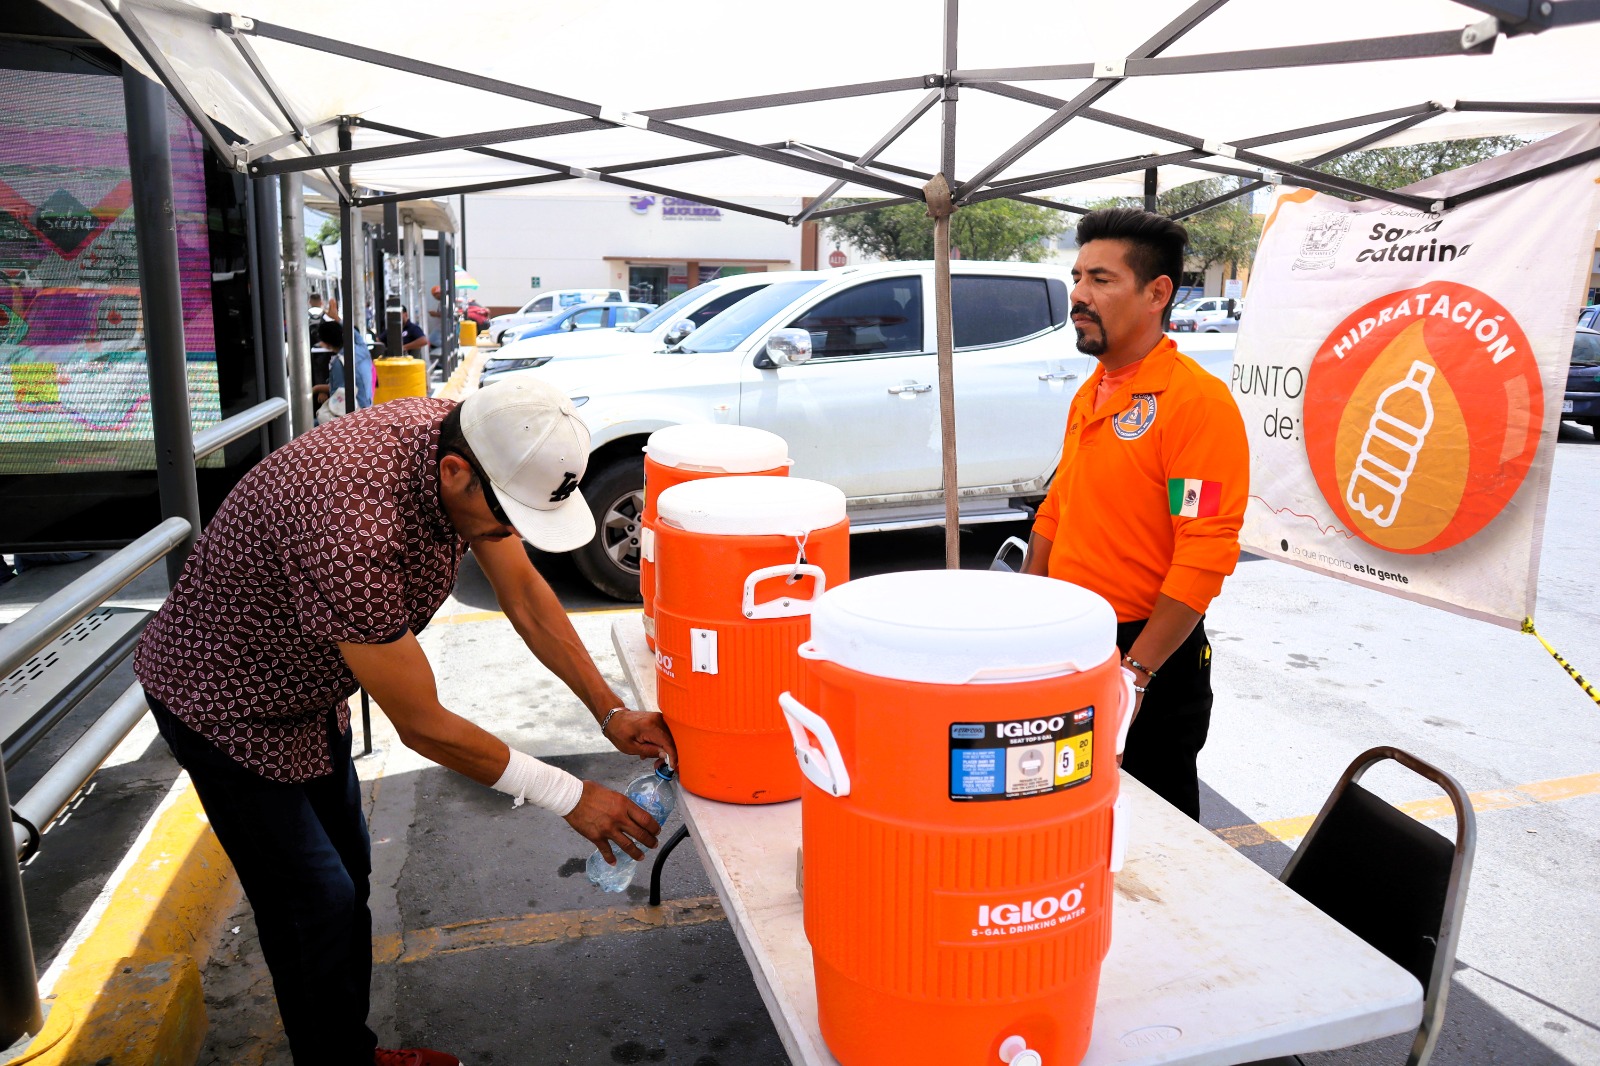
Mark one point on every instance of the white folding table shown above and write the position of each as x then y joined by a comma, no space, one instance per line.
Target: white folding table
1213,961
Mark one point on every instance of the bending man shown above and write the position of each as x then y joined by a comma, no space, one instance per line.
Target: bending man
319,570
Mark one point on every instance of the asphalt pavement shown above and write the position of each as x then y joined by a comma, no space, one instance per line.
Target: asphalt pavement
492,944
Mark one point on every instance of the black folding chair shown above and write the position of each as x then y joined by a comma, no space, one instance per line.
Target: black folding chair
1015,548
1391,880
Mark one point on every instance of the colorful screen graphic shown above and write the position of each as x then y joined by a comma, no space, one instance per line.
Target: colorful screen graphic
74,395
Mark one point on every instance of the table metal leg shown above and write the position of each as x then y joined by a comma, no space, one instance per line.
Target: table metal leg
661,860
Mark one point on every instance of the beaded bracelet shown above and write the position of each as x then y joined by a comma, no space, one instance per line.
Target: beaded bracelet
1128,660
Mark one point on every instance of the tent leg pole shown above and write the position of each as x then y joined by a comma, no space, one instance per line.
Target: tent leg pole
937,194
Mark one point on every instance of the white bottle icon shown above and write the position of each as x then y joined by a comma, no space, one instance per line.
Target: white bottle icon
1389,450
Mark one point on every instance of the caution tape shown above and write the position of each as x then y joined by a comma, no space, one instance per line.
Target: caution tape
1527,627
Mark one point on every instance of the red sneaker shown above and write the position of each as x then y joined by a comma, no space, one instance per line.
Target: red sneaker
413,1056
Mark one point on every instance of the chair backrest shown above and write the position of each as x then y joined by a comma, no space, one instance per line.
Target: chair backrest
1391,880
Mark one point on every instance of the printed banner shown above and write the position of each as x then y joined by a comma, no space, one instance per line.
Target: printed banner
1400,374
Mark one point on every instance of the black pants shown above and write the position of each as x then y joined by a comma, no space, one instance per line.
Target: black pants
1165,740
303,856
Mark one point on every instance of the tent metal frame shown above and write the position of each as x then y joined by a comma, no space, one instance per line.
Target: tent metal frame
1504,18
941,89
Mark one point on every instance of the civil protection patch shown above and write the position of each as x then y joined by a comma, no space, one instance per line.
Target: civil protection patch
1132,423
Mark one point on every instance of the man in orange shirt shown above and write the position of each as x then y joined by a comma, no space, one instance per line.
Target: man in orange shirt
1147,502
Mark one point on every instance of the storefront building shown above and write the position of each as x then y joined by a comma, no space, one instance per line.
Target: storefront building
649,246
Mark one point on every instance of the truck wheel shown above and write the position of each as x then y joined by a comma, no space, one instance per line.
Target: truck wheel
611,560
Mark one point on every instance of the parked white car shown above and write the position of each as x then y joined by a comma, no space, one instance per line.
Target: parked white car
842,365
1208,314
660,329
546,303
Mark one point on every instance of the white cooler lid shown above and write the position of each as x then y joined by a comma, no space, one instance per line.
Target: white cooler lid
953,627
751,506
717,449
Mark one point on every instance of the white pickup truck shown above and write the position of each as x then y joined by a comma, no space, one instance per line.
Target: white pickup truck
842,365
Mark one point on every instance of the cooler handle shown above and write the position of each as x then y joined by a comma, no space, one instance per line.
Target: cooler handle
1119,835
782,606
826,767
1129,697
1023,673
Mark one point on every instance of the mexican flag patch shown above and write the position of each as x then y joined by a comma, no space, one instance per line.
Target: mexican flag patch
1193,498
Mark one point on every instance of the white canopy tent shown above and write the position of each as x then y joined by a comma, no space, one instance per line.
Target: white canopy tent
574,87
1021,98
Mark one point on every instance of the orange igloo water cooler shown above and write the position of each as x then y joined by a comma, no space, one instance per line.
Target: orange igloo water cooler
687,453
960,749
739,563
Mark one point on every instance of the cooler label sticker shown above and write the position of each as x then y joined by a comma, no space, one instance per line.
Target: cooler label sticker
1026,757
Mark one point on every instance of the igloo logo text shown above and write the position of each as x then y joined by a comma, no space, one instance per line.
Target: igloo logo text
1021,917
1037,728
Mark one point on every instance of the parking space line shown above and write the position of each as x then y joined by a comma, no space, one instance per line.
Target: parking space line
1290,830
419,944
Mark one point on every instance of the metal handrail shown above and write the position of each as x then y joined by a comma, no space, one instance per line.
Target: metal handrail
51,793
25,637
231,429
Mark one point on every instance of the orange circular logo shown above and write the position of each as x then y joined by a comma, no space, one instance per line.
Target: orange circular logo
1422,416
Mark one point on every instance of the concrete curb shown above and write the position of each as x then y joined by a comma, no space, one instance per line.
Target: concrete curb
129,991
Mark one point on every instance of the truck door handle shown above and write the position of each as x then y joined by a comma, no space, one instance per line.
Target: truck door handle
896,390
1058,376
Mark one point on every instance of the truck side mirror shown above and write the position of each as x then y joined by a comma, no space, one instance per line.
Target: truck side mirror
789,347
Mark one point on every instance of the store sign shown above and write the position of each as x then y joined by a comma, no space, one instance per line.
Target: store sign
1399,374
675,207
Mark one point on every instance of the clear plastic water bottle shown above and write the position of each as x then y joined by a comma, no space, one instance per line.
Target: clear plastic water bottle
656,793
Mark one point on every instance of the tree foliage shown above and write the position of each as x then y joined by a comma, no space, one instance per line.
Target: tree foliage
991,230
1225,234
1393,168
328,234
1228,233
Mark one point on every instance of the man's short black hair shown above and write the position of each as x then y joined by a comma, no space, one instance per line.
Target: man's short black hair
453,441
331,334
1155,242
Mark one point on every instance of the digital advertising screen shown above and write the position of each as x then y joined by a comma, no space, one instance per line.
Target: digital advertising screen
74,395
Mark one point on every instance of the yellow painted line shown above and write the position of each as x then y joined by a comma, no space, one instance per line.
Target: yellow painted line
130,993
1289,830
467,616
417,945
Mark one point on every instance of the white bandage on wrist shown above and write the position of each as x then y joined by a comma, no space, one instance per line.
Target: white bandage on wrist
540,784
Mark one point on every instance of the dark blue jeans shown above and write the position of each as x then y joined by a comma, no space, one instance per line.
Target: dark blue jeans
303,856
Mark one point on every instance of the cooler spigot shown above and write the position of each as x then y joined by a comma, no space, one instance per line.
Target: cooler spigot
1015,1051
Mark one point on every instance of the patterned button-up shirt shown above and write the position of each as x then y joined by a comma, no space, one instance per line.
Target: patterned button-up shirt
338,536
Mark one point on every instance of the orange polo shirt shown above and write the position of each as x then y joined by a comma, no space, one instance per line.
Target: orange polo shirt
1151,489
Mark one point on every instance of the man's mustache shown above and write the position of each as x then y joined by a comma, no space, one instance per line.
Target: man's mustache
1083,309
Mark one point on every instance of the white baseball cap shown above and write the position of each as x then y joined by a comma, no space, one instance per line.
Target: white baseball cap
530,442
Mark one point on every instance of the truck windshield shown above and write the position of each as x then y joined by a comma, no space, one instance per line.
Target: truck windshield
667,311
735,325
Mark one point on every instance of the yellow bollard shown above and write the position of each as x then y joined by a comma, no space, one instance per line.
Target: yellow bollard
469,333
401,376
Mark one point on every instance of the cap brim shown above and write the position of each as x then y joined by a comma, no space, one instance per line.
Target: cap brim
559,529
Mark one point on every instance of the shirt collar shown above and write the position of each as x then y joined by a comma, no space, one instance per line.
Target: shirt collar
1153,375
